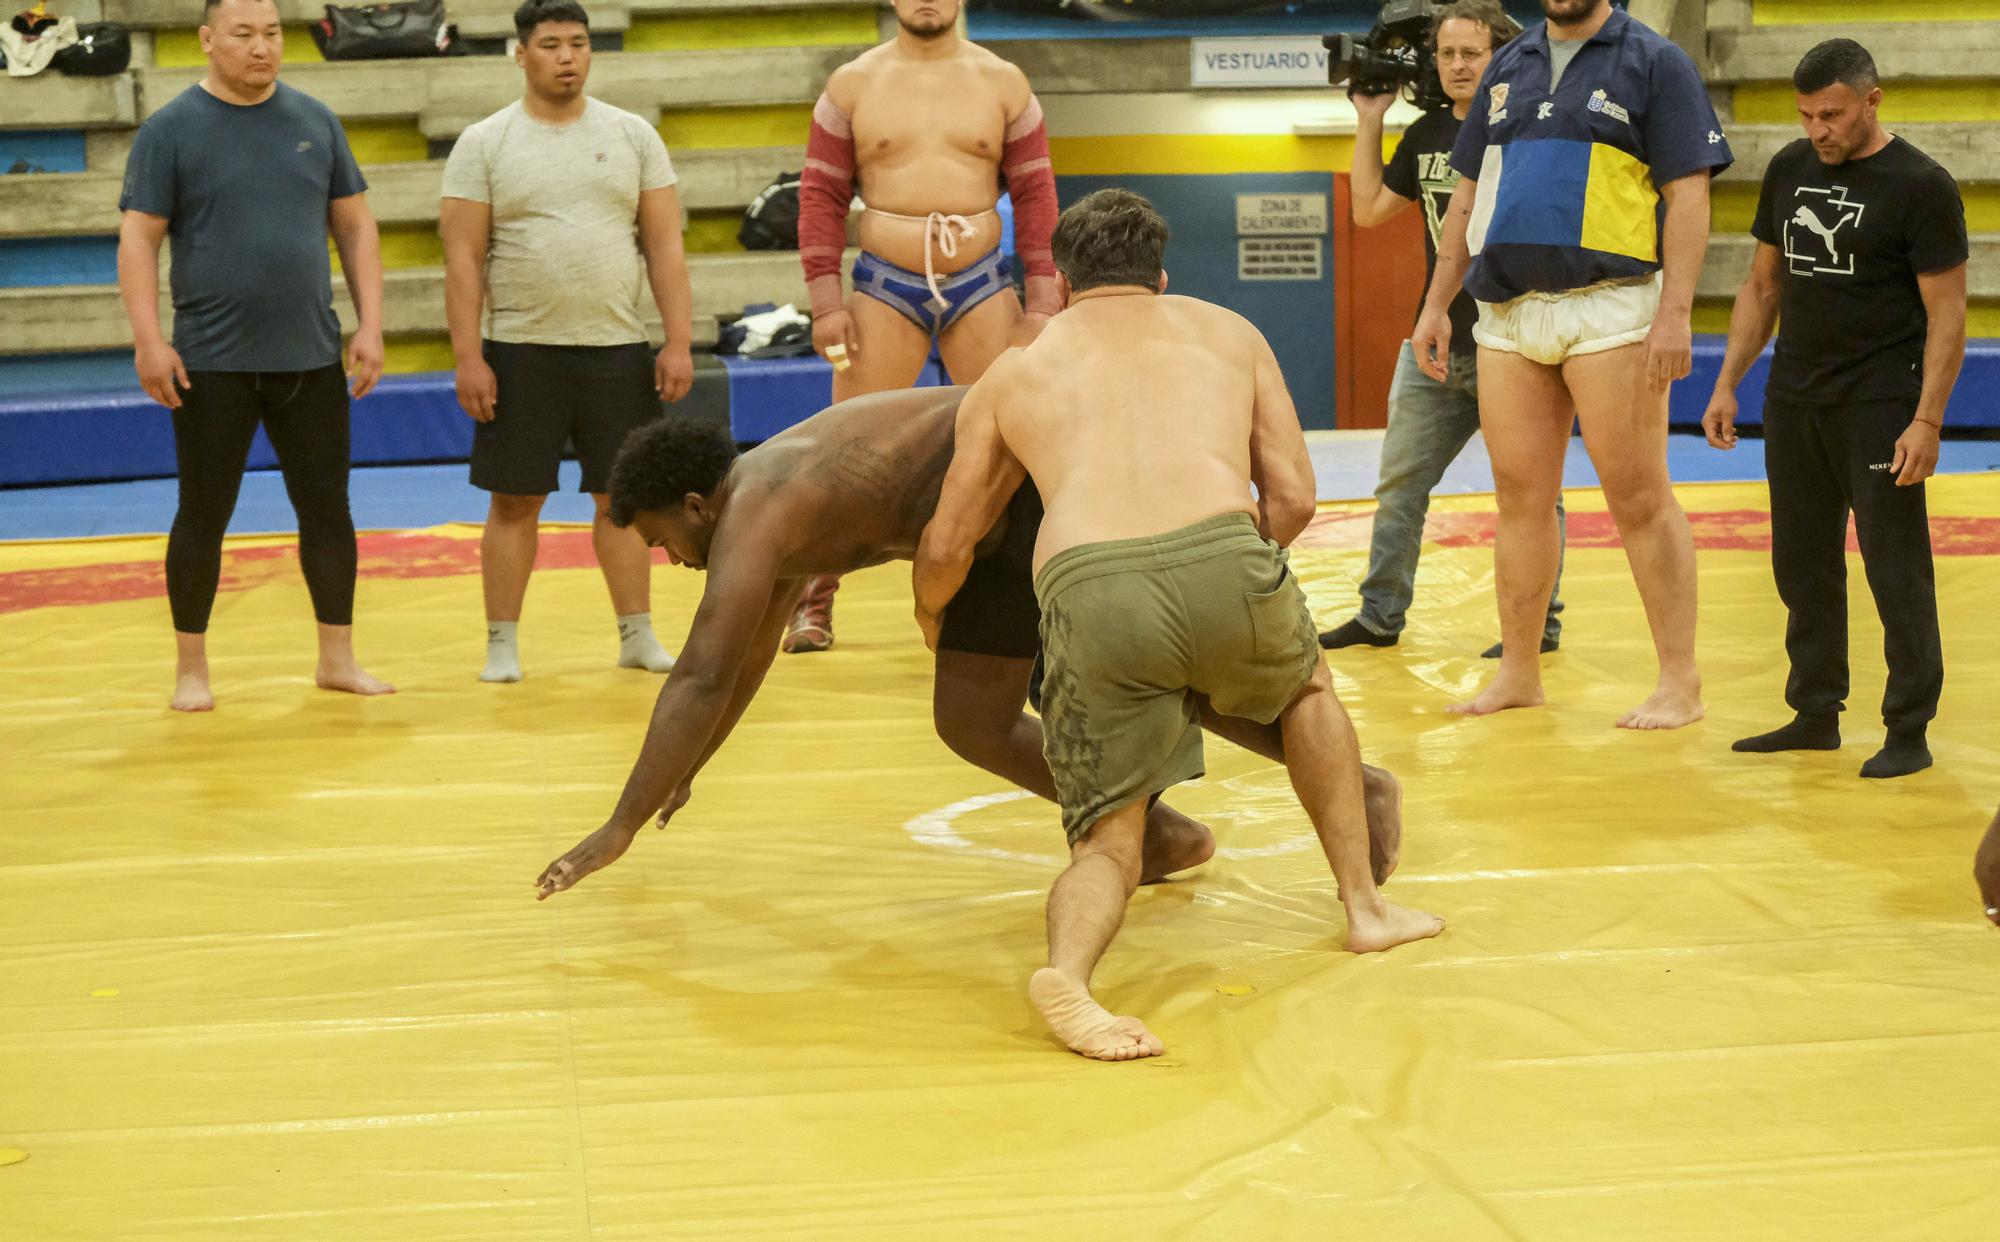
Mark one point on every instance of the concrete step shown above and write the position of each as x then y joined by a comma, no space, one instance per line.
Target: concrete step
1729,262
57,101
178,15
1902,50
447,95
91,316
1966,149
86,204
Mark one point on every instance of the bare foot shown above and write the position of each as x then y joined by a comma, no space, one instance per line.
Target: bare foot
1500,694
351,679
1986,870
1084,1025
1382,795
1173,843
594,853
1388,927
1666,709
191,693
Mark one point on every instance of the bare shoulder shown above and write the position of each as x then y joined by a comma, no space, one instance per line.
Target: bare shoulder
1003,76
848,83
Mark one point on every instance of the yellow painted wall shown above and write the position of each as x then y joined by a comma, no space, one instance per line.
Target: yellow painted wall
427,352
1194,155
1982,316
713,232
1775,103
405,246
773,125
178,49
842,26
386,142
1821,12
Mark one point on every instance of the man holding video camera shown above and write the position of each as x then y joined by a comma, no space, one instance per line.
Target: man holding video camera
1429,420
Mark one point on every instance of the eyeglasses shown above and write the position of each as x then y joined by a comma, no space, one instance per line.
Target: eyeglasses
1450,54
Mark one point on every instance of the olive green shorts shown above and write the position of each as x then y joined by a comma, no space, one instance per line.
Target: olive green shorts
1134,629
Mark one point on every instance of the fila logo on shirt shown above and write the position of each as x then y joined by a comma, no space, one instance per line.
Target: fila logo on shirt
306,145
1814,245
1546,111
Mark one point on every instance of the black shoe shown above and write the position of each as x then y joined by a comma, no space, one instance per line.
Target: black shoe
1901,754
1804,733
1354,634
1548,645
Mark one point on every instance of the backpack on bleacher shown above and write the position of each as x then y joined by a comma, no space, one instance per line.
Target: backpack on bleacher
401,28
771,221
101,49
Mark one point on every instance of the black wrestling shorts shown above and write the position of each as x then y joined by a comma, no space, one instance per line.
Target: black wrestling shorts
995,612
552,396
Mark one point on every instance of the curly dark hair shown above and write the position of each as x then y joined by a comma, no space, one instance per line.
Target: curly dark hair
663,461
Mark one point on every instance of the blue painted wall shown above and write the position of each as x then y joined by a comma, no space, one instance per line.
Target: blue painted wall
44,261
41,150
1296,316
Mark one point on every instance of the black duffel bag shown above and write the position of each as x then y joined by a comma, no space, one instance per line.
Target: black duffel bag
101,49
383,31
771,221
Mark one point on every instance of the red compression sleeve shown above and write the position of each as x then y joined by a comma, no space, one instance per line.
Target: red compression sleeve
1031,181
826,188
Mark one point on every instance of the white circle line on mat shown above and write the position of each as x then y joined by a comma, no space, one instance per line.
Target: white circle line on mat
938,828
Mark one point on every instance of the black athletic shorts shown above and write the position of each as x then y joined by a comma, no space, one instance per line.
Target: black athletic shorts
995,612
555,395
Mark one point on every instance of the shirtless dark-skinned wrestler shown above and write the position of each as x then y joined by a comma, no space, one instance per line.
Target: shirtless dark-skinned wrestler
851,487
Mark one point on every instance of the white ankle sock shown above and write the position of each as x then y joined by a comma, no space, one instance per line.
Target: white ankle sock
503,654
638,648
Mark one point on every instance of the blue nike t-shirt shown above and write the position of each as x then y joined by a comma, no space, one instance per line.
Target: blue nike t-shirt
244,191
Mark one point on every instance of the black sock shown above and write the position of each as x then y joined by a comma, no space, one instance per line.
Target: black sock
1494,652
1901,754
1804,733
1353,633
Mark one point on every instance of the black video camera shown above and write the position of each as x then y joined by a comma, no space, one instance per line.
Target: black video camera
1394,56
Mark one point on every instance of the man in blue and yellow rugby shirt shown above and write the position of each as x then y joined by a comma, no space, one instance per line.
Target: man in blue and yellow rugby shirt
1579,227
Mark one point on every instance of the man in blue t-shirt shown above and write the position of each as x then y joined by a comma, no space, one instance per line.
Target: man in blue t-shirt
1580,228
250,178
1429,421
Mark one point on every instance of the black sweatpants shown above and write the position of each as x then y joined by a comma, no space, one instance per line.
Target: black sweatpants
1822,462
305,415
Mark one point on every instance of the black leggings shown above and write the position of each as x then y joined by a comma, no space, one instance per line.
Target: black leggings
305,415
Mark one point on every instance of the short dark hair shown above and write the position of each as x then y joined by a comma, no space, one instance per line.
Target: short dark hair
533,13
663,461
1487,13
1112,237
1836,60
210,6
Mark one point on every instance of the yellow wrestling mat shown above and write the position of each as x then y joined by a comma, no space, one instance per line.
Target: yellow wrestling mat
277,973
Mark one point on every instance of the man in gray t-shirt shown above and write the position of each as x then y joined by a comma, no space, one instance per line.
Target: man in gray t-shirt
558,209
250,178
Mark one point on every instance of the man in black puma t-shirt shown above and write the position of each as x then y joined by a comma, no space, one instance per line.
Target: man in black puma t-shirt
1862,249
1429,421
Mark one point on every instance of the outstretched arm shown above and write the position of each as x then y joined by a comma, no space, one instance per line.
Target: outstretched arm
982,476
718,672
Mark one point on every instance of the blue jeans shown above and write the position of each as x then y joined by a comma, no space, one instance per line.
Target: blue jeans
1429,424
